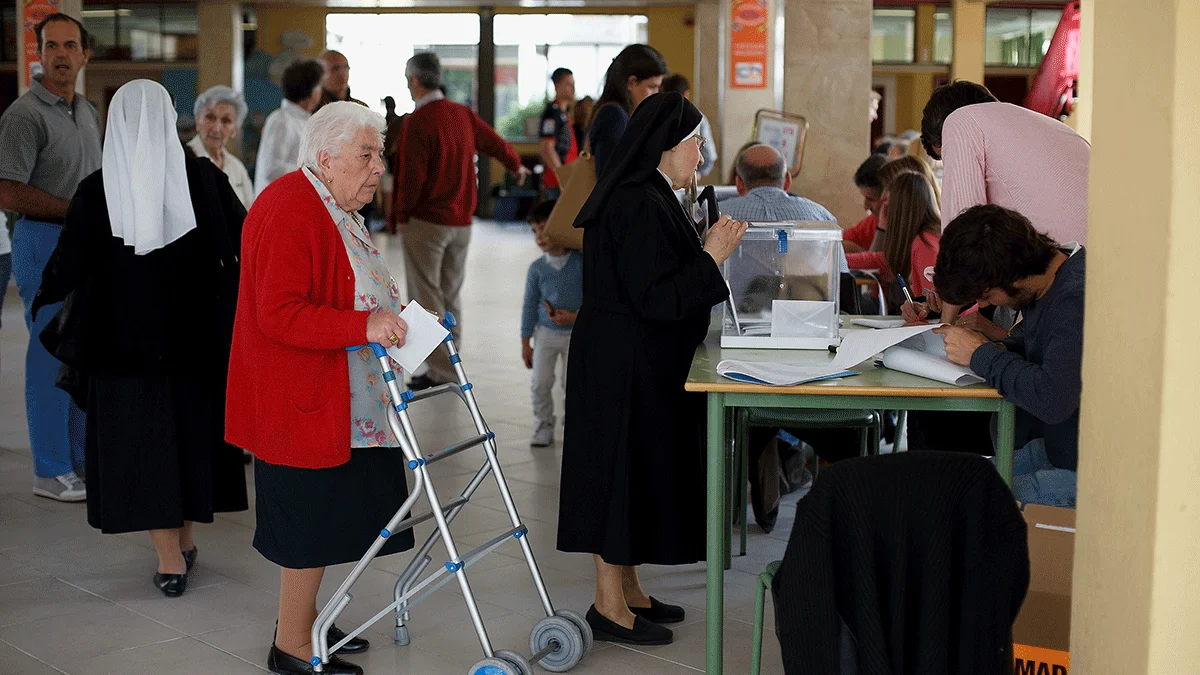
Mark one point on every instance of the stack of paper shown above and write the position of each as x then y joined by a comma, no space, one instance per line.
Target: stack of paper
779,374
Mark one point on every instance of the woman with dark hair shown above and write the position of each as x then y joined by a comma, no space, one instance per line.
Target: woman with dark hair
912,226
633,454
636,73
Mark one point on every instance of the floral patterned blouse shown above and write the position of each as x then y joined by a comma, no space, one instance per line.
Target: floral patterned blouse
374,290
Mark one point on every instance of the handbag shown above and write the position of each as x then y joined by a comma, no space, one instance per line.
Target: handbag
576,180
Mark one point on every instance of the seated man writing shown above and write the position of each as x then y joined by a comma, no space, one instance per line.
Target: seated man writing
994,256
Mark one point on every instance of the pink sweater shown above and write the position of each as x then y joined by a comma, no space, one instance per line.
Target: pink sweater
999,153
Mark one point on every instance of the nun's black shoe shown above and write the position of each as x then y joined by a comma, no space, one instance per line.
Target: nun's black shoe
660,612
171,585
644,632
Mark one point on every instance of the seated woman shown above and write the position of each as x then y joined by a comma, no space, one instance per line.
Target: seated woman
633,453
328,471
148,256
912,231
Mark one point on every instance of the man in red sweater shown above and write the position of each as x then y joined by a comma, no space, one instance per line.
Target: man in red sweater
435,195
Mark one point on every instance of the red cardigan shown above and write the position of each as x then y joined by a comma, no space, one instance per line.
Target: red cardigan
288,400
435,167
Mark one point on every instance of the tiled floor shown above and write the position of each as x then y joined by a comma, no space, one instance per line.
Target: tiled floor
75,601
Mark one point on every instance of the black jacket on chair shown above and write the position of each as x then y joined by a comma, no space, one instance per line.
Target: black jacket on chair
913,563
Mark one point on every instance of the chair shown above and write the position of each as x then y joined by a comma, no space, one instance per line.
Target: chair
868,421
760,603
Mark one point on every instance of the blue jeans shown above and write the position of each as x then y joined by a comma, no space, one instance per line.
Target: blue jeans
5,274
1037,481
56,424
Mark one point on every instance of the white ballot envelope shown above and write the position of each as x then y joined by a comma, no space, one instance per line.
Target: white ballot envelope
801,318
425,334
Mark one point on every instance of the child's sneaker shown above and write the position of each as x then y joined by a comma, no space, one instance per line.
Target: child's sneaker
544,435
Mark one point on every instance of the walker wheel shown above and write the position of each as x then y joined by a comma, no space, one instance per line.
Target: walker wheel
493,667
581,623
566,638
515,659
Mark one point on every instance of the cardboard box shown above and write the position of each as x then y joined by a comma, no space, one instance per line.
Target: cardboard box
1042,632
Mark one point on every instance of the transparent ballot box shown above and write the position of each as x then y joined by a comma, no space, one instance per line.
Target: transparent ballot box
783,282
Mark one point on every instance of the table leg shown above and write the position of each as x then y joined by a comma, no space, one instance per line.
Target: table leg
718,546
1005,437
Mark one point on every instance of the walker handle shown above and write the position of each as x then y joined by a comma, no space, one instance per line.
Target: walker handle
379,350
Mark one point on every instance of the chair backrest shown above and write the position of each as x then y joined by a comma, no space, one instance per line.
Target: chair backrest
914,562
850,297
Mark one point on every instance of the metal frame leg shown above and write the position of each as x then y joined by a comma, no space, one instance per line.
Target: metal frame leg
717,546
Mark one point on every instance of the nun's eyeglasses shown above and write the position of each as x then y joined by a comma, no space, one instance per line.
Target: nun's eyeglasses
700,141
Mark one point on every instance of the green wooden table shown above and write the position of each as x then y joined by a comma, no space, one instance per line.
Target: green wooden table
874,389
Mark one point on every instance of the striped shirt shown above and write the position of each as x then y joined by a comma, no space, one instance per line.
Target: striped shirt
1003,154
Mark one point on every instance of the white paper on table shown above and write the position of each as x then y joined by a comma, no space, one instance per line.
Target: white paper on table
801,318
860,345
934,367
877,323
424,335
930,343
780,374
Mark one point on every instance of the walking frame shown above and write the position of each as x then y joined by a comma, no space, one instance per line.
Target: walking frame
557,643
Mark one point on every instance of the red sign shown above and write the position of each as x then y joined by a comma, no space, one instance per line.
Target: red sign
32,13
748,44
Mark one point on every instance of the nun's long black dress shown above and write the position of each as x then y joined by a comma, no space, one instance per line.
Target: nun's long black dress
633,474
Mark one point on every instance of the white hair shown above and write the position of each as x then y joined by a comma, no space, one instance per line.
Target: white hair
221,94
333,127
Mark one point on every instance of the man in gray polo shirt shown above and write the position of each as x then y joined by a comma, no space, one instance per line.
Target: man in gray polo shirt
49,141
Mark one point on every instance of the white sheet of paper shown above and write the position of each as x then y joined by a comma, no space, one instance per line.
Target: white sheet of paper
860,345
882,322
424,335
780,374
923,364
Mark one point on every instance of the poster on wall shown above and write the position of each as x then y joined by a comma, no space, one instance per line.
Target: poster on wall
785,132
748,44
32,13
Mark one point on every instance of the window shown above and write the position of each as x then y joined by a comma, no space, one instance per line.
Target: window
378,45
142,32
1018,37
893,35
529,47
943,36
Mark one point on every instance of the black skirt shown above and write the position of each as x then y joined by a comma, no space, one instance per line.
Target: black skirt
321,517
155,453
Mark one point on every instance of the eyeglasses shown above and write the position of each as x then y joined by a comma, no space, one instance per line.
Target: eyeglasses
700,141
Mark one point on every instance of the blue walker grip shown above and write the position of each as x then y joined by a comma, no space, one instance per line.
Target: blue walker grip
449,321
377,349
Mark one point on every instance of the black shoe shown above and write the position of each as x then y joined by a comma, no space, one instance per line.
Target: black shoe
281,663
660,612
355,646
189,557
643,633
422,382
171,585
335,635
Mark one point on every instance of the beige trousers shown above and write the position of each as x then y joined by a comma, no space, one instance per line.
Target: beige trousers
436,260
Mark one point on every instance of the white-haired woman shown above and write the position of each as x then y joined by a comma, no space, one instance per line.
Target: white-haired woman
328,472
220,112
148,255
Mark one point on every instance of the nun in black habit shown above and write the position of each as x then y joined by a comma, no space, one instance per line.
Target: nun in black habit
633,475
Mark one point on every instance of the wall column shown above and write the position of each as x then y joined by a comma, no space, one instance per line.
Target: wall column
967,61
738,105
219,52
828,80
1136,606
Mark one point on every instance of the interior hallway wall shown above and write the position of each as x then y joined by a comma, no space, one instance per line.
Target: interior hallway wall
828,80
